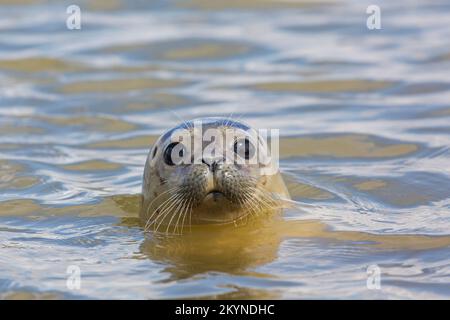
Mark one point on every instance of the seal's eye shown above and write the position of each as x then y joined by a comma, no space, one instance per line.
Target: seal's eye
244,148
174,153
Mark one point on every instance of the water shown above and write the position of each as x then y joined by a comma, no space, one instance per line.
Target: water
364,118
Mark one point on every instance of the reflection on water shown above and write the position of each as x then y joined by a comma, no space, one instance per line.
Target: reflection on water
365,147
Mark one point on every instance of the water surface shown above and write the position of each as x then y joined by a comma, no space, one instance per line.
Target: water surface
364,118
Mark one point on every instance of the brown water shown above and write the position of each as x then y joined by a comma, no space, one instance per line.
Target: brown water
364,118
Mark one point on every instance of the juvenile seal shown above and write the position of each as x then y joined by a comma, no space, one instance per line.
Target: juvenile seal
209,170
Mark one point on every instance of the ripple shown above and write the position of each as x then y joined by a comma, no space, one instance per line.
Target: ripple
92,122
325,86
363,118
345,146
15,176
186,50
410,190
92,165
251,4
422,88
132,142
43,64
119,85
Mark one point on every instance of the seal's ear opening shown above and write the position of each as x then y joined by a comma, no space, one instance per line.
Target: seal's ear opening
155,149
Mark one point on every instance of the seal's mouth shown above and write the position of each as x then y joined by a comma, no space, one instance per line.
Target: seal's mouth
215,192
214,195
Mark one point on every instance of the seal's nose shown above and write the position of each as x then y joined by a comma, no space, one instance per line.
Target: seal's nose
213,165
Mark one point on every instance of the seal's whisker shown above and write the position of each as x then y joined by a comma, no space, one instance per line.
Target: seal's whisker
189,209
181,119
190,218
249,193
254,206
234,221
150,205
177,202
156,210
178,213
189,206
248,201
166,205
264,200
229,119
181,212
166,211
174,213
268,199
239,118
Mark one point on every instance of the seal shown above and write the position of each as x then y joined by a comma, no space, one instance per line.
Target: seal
209,171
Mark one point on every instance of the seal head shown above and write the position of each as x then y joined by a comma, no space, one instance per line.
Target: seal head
209,170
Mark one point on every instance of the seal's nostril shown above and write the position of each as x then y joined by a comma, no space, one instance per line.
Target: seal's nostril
213,166
216,166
